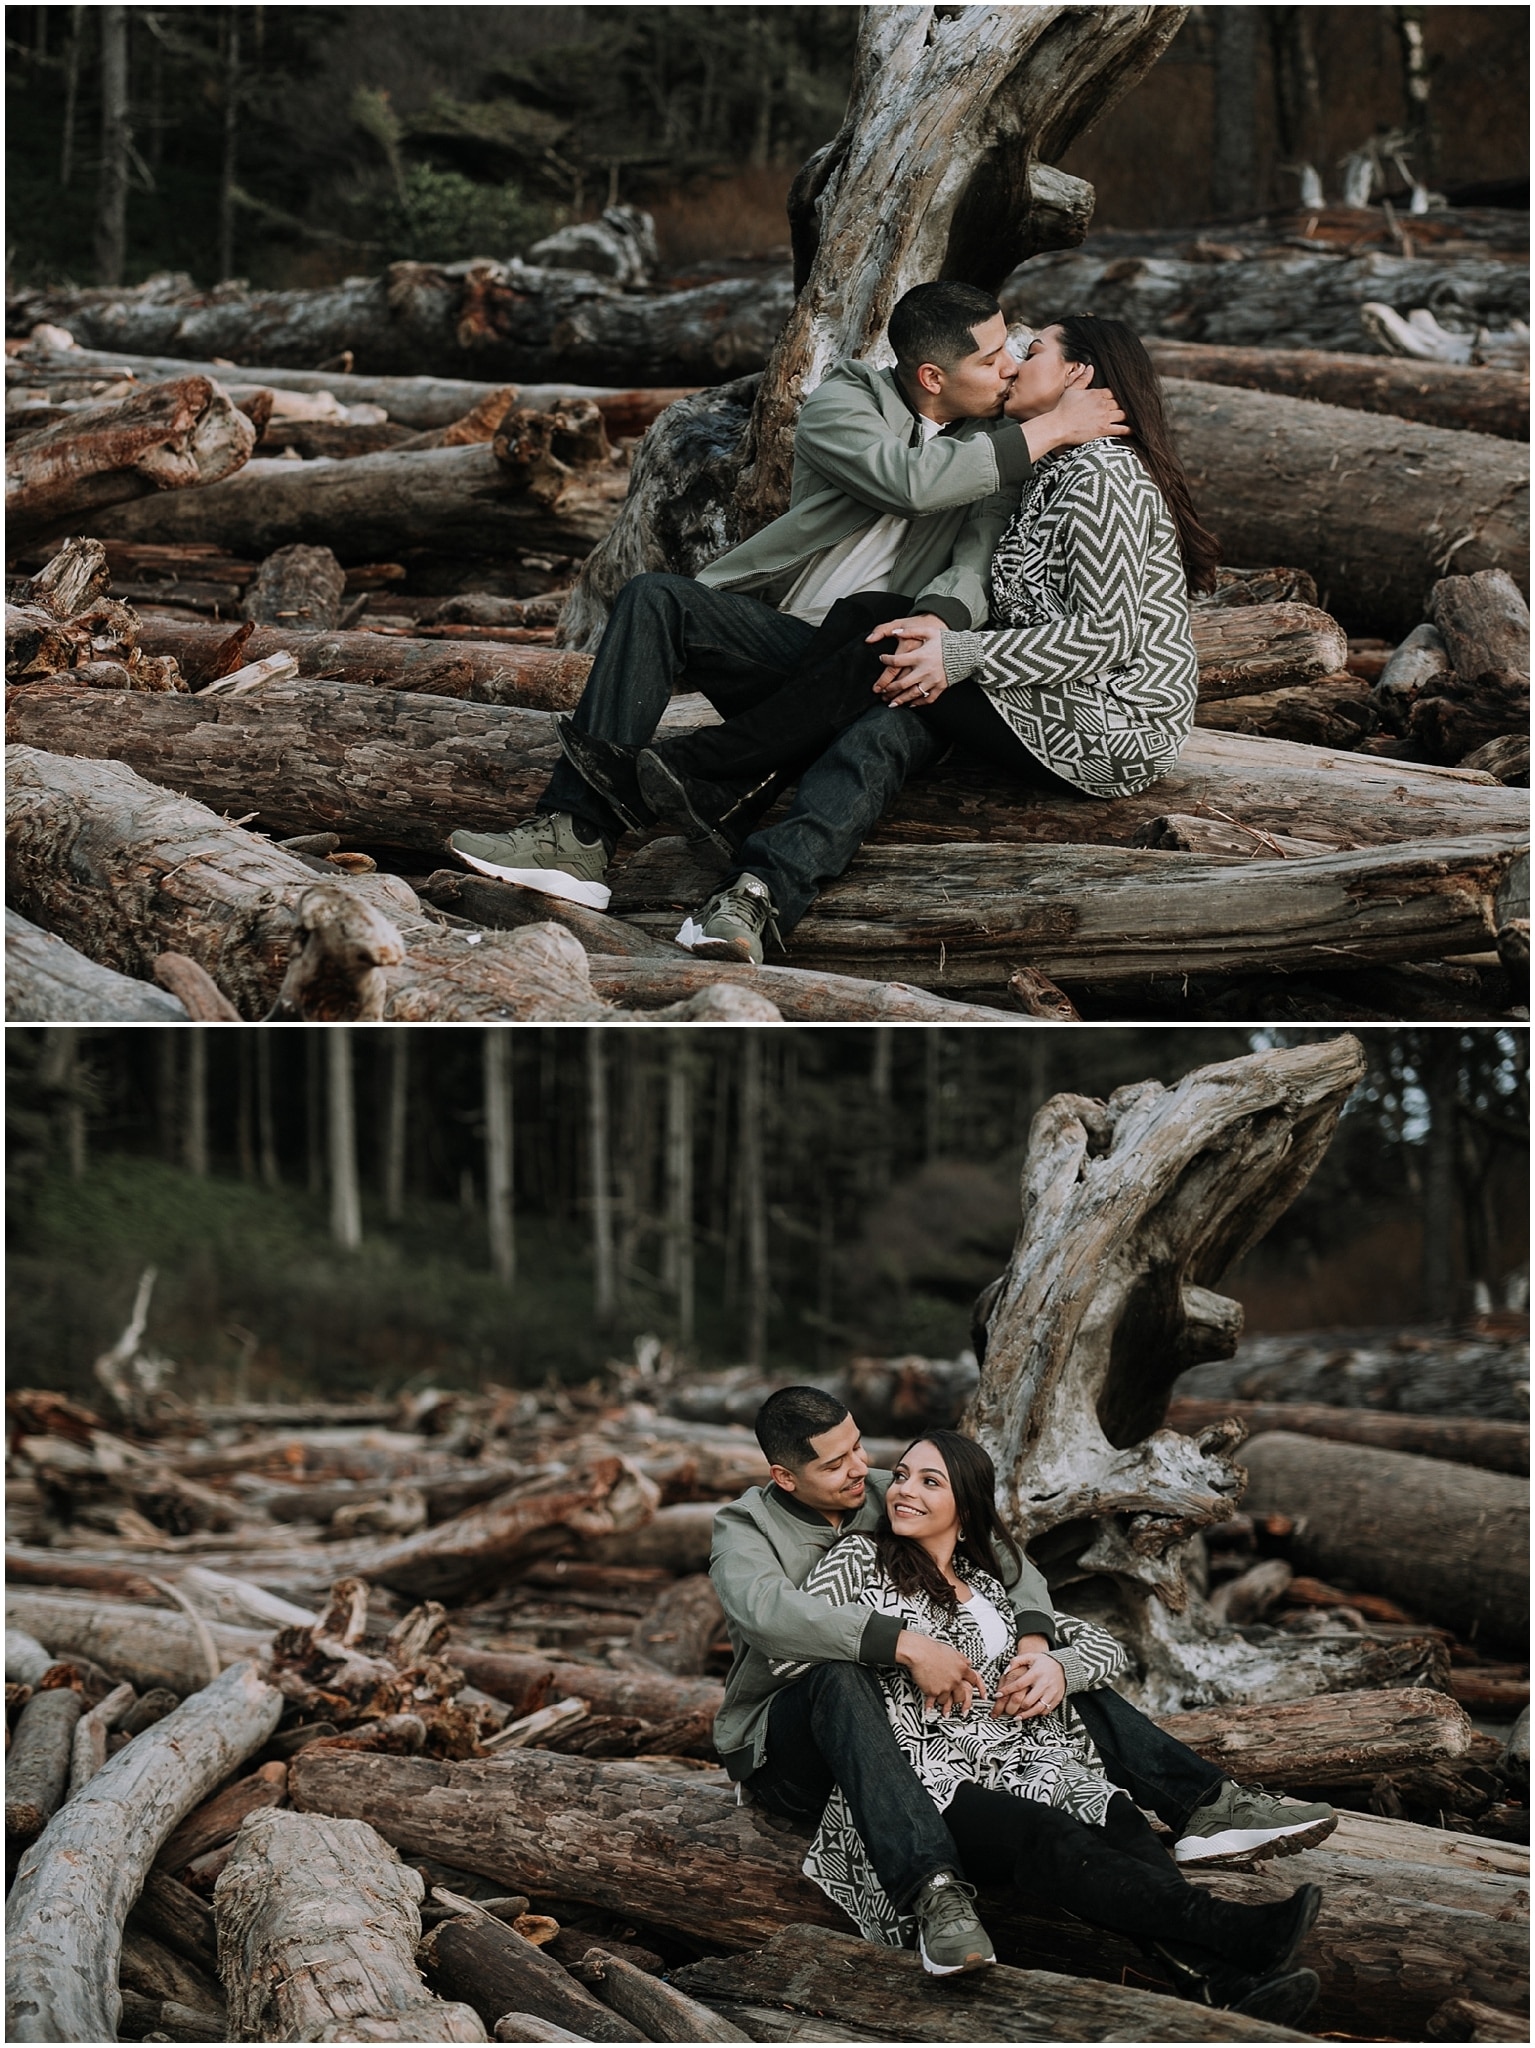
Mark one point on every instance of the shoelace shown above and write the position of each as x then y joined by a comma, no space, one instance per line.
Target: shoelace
942,1906
753,909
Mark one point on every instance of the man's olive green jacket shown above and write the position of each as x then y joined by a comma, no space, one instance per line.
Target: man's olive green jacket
859,455
765,1546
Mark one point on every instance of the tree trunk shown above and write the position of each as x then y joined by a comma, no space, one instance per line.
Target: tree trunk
679,1269
116,142
555,1827
165,875
1492,1446
194,1118
752,1167
1279,296
1452,395
1444,1540
494,322
77,1882
599,1172
885,1993
455,501
397,1103
1234,166
420,402
45,979
318,1923
498,1154
493,1969
72,45
538,678
341,1147
230,37
153,444
963,917
1340,712
943,148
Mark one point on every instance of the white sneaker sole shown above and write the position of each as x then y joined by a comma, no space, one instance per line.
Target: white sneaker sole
692,936
1253,1842
975,1961
547,881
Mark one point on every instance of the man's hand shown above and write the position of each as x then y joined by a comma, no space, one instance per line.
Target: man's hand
947,1680
1033,1684
1081,414
914,673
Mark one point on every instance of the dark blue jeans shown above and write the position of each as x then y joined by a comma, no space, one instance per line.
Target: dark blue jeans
738,651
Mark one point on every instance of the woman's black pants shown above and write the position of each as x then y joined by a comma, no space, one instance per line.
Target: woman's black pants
1116,1876
832,687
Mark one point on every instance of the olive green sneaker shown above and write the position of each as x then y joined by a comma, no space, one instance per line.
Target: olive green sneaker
949,1936
1244,1823
731,924
544,853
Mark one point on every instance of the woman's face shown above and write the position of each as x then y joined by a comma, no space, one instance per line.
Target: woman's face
920,1501
1043,375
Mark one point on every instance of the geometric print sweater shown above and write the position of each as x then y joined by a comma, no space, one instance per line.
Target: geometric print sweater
1091,661
1050,1758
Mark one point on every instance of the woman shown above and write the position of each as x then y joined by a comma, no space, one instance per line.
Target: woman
1085,681
1024,1793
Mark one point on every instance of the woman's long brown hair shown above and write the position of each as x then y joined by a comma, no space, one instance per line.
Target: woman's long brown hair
1121,365
984,1543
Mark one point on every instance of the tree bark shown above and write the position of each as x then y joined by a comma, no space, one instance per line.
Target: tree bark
1493,1446
599,1171
116,141
1453,395
194,1117
799,996
965,917
1243,649
146,1645
218,1819
493,1969
657,2009
605,1834
318,1922
528,1682
679,1264
885,1993
77,1882
752,1168
1234,165
1262,298
1442,1375
397,1105
681,1629
1375,511
1341,1738
46,980
341,1146
1443,1539
484,321
498,1154
37,1763
155,443
456,501
1341,711
299,587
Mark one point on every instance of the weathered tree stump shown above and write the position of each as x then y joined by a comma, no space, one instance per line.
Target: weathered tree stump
77,1882
318,1922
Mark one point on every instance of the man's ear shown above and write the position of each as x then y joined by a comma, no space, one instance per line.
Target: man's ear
782,1478
930,378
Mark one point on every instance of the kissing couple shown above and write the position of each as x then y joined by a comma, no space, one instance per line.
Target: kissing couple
981,551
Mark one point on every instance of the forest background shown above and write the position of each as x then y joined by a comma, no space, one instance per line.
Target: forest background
356,1212
296,145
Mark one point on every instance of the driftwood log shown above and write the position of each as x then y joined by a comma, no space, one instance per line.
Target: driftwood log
1460,1440
484,321
1445,1540
1132,1210
1483,624
940,168
1273,297
658,2009
493,1969
37,1762
1411,1373
1394,1942
77,1882
1349,1738
158,441
48,982
460,501
1340,711
886,1996
1249,648
147,1645
318,1922
419,402
1376,509
1478,401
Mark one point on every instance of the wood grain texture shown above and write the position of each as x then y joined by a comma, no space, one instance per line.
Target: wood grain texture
1478,401
1459,1439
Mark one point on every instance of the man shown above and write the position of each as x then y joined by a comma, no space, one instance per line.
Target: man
904,480
790,1743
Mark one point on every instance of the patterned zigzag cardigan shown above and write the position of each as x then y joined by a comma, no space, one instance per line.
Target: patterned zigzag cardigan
1092,660
1050,1758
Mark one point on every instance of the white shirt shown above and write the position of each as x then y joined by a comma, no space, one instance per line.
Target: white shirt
996,1632
861,562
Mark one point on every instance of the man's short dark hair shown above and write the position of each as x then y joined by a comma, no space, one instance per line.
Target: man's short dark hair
936,323
787,1421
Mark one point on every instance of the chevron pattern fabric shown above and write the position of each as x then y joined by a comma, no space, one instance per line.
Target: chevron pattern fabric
1092,660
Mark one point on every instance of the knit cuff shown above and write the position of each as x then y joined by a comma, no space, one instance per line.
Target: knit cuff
955,616
963,654
880,1635
1033,1621
1078,1677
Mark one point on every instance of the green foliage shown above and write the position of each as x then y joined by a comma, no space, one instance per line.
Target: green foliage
442,216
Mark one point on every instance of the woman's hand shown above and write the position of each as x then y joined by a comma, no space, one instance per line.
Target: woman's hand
1033,1684
914,673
